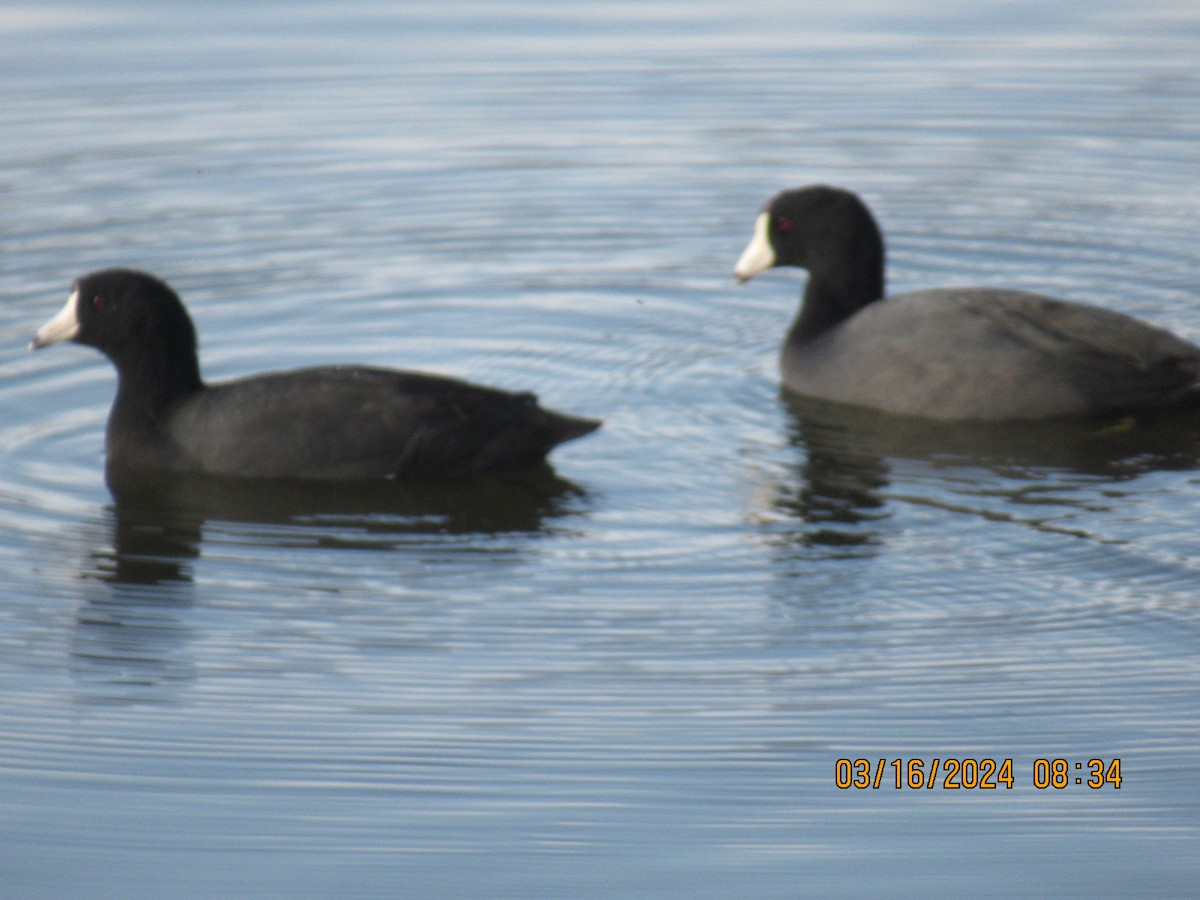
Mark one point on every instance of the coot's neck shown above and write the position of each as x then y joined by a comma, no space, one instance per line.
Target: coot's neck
831,299
154,378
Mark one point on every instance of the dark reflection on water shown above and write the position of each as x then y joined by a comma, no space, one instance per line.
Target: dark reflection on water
175,507
158,523
843,481
130,640
131,637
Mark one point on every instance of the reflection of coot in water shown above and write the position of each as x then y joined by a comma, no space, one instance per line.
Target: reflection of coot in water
1117,448
150,547
837,493
328,423
841,488
957,353
355,513
159,521
132,637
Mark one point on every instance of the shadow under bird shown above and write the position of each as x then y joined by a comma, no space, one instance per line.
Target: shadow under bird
326,423
959,354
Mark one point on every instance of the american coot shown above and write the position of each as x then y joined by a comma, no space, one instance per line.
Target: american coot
953,353
332,422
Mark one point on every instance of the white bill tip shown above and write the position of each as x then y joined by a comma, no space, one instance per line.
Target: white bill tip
759,254
62,327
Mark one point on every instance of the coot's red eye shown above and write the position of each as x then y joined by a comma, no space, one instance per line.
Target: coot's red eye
784,224
99,302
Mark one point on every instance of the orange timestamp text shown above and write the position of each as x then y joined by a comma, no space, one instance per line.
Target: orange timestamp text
974,774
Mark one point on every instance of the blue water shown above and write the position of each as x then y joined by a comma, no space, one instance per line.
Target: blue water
635,675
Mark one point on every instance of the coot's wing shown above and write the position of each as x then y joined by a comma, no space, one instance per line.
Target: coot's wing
359,422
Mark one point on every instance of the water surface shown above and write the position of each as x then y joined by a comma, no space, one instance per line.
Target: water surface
632,673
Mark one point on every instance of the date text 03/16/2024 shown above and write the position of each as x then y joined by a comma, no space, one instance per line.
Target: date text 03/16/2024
983,774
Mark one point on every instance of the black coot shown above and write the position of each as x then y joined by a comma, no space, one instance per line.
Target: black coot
330,422
951,353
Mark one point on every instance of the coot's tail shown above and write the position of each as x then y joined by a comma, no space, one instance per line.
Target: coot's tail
529,437
565,428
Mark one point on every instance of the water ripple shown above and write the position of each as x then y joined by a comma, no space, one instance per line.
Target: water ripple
637,667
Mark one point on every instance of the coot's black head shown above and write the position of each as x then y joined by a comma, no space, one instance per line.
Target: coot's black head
135,320
819,228
831,233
